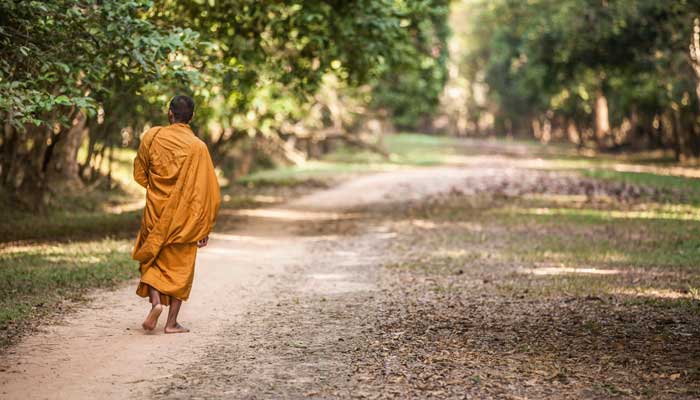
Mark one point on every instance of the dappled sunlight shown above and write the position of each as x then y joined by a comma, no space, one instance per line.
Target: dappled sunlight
583,201
608,256
32,248
320,169
569,270
425,224
77,259
679,171
70,250
267,199
462,254
228,237
288,214
437,224
451,253
558,198
679,214
126,207
264,199
658,293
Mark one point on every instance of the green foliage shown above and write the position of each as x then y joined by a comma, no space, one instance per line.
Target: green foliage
62,55
265,64
552,60
256,69
410,85
70,60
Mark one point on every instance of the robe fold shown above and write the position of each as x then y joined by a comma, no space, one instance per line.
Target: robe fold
182,201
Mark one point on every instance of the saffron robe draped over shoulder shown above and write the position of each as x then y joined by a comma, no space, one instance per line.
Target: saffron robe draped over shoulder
182,201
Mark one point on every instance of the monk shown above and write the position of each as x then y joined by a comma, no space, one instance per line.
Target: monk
182,201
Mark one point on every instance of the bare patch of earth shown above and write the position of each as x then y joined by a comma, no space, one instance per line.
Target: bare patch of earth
302,343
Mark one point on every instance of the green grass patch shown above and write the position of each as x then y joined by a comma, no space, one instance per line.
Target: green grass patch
660,235
63,225
642,253
35,277
406,149
687,185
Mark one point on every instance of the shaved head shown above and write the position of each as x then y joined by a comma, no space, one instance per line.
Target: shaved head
182,109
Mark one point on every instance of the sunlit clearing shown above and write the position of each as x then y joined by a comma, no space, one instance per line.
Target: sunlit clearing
567,270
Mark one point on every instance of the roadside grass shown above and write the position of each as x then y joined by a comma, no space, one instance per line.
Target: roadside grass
36,279
690,186
644,251
63,225
405,149
79,242
601,292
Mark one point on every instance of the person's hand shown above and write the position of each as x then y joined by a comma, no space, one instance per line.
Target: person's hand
203,242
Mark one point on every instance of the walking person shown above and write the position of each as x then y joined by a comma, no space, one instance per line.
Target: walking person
182,201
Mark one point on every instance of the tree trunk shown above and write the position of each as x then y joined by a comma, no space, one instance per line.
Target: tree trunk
573,133
63,166
602,119
695,56
9,151
678,135
243,166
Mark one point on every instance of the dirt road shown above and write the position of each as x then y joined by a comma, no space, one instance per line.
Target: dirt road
272,260
364,290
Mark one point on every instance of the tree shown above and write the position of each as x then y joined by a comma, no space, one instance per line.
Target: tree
62,63
611,73
94,73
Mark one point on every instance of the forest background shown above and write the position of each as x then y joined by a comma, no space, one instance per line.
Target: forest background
285,82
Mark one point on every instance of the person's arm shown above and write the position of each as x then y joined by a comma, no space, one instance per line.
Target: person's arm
141,161
212,189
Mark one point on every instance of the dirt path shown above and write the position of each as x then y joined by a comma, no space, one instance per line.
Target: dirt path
101,352
357,292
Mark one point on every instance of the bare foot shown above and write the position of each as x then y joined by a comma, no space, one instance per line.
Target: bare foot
176,329
152,319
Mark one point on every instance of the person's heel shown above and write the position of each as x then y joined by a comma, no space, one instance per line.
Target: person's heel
152,319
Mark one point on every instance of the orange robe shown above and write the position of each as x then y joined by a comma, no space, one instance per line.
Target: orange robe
182,200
